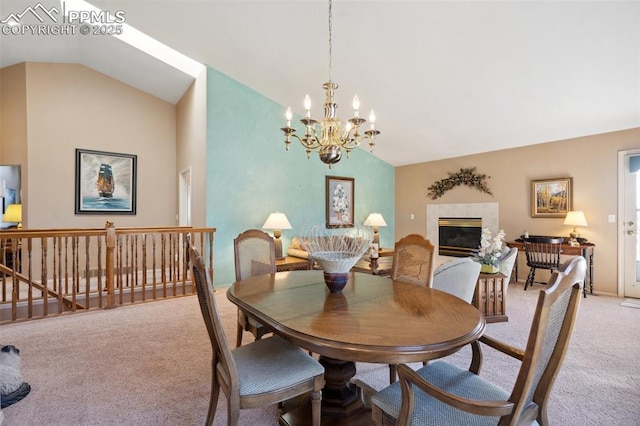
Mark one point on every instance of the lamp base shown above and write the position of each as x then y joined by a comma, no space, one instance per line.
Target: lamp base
277,243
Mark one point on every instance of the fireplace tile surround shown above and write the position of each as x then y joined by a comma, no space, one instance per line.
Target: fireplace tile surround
489,213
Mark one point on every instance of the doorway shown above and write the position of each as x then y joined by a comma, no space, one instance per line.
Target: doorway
629,218
184,197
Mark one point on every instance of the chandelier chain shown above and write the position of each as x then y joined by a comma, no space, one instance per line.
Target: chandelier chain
330,137
330,43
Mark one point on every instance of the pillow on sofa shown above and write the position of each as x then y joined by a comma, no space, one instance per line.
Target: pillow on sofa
296,250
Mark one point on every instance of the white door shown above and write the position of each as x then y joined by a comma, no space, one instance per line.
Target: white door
184,197
629,171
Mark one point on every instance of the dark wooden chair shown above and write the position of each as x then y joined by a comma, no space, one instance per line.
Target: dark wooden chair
542,253
261,373
413,260
442,393
254,253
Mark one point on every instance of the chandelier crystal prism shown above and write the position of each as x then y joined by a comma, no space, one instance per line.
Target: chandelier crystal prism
328,137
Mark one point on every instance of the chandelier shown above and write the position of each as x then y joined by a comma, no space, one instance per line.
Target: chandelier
328,136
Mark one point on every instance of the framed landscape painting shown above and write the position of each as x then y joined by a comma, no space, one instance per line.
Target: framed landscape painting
551,197
339,201
105,182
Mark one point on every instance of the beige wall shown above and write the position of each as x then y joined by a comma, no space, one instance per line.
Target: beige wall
13,121
71,106
592,162
191,114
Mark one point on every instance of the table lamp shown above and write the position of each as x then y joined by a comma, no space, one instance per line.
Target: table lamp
13,214
375,220
277,221
575,218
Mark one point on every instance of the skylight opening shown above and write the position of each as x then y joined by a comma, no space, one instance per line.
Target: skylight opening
139,40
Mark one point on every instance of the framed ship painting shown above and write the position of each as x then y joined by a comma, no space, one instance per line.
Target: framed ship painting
105,182
339,201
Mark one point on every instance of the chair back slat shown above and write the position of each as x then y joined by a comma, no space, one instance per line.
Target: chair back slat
543,252
413,260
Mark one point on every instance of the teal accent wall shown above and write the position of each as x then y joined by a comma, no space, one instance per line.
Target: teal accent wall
250,174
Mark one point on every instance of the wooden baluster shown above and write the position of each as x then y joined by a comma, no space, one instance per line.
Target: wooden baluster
119,271
133,266
153,269
144,266
99,274
109,267
172,263
211,257
75,265
87,272
163,264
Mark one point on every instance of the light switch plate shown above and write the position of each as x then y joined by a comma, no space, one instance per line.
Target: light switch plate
612,218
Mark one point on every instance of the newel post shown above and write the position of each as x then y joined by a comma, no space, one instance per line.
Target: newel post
109,267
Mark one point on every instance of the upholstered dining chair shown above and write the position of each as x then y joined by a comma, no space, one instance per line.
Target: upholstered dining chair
412,263
413,260
254,253
458,277
505,266
441,393
542,253
260,373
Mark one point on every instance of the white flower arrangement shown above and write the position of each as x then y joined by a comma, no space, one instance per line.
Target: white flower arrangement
490,251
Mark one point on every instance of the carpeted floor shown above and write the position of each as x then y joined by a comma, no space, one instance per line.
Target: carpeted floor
631,303
150,365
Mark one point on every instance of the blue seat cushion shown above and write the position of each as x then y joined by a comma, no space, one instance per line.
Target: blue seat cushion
431,411
271,364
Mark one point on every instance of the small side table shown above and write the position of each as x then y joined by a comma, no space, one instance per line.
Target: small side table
380,265
489,297
290,263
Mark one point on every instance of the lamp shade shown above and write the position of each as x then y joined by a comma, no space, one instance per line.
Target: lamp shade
277,220
375,219
575,218
13,213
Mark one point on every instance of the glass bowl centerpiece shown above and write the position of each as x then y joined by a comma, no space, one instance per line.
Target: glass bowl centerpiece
336,250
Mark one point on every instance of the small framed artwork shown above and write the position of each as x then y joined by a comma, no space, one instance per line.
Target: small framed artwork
551,197
339,200
105,182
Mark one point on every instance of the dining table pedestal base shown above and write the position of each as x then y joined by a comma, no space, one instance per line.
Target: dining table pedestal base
340,397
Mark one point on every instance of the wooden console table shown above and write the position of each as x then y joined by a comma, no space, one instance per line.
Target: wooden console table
291,263
585,250
380,265
489,297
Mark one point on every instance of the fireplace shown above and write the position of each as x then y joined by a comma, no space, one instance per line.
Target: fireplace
458,236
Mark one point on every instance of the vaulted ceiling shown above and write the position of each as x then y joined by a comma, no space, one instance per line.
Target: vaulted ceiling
445,78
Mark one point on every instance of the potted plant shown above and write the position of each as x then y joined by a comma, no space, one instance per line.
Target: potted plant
489,253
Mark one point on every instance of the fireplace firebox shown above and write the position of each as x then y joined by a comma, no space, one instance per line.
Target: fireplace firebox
459,236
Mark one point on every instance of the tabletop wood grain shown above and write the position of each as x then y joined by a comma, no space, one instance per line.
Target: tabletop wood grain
374,319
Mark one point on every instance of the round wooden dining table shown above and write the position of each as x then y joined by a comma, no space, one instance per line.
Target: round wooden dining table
374,319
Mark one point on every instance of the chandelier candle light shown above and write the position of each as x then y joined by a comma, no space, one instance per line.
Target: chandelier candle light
329,139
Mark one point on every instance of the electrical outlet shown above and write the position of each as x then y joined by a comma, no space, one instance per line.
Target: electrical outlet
412,216
612,218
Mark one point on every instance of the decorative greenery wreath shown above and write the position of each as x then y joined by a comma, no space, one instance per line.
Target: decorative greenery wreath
466,176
